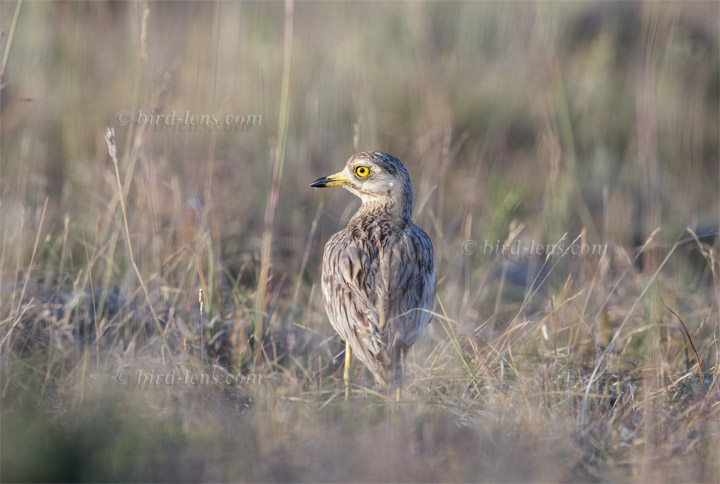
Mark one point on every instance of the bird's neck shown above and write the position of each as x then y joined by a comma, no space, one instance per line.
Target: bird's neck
395,206
399,213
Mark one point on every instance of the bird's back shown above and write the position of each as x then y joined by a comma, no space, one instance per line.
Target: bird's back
379,286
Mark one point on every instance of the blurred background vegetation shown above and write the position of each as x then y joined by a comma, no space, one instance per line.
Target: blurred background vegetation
517,121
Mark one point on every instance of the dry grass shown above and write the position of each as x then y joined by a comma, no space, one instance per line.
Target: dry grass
545,123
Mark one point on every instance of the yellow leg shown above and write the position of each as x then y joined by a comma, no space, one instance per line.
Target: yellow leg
346,372
402,370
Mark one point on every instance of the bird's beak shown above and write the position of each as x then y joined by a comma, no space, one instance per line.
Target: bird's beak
330,181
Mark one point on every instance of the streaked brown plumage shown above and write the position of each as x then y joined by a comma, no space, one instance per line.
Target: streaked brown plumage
378,274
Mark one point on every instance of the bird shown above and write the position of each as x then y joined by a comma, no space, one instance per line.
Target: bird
378,273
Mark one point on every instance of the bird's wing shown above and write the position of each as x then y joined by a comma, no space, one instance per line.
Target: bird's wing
349,287
408,284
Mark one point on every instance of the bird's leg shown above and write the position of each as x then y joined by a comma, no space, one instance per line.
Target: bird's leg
398,384
346,372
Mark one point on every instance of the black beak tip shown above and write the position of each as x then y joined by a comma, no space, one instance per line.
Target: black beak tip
319,183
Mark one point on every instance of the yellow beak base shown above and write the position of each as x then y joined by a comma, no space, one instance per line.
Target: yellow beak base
330,181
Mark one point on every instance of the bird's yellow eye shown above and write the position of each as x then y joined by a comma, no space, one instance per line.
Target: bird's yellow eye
362,171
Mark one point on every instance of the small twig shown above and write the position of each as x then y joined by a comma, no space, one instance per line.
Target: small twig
275,184
615,337
201,300
306,255
687,333
11,34
112,151
456,344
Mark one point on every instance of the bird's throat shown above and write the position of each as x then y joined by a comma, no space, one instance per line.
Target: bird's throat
387,211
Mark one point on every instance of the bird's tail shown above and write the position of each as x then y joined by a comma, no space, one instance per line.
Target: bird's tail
389,372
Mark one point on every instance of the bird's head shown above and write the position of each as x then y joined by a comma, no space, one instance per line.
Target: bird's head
379,179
